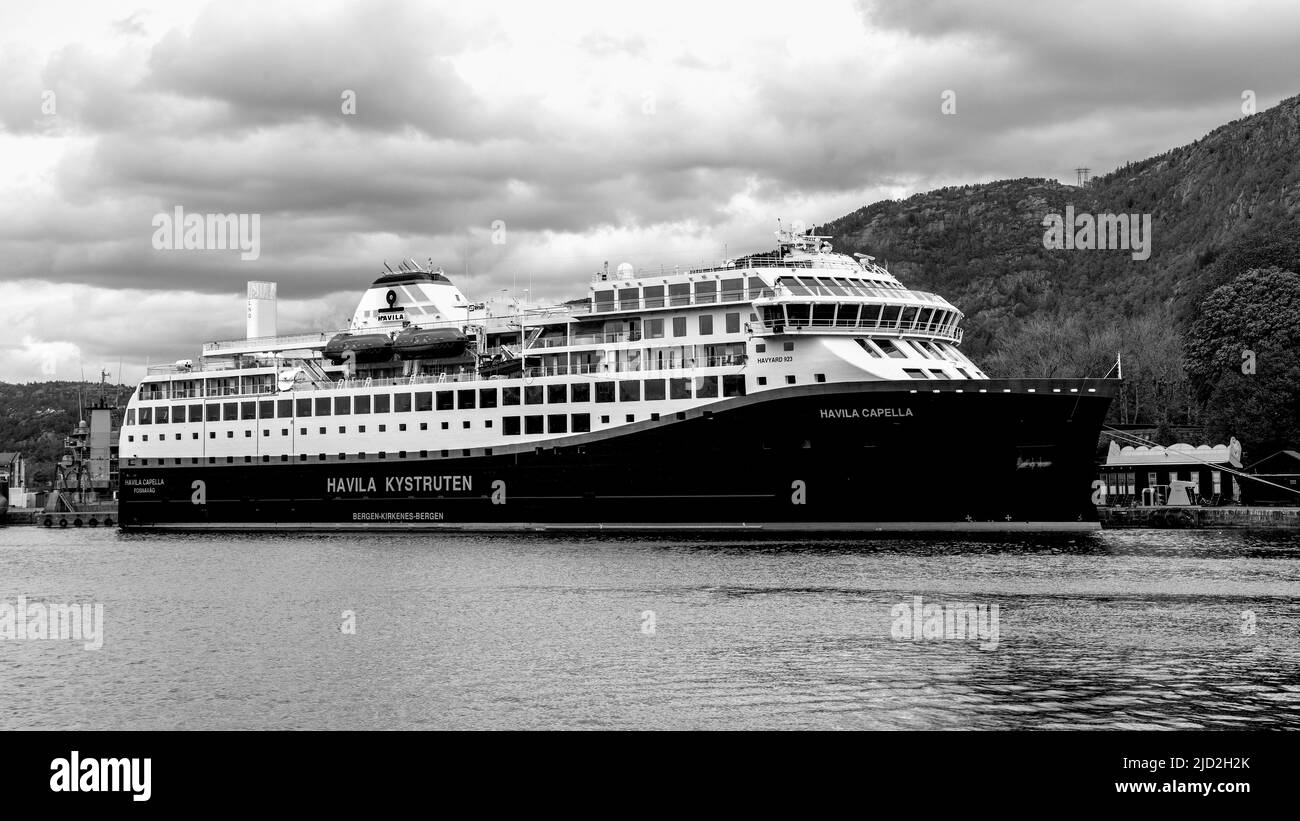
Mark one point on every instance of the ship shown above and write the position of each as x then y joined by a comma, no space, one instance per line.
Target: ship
798,390
86,478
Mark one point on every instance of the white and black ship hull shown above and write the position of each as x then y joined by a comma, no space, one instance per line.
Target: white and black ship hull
840,458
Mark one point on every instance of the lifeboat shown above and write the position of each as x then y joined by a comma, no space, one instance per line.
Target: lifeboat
365,347
429,343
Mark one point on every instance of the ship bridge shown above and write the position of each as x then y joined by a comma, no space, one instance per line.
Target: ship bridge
823,292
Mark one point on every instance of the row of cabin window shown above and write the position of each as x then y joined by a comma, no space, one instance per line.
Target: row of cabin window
706,291
625,390
510,426
654,328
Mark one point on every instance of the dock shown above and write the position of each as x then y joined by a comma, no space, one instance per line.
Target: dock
1192,517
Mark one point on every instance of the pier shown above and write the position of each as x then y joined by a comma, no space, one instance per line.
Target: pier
1201,518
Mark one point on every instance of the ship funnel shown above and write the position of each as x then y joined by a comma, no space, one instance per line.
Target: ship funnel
261,310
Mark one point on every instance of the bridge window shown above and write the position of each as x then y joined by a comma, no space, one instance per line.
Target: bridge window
533,394
795,286
679,388
604,391
733,290
580,392
679,293
342,405
160,415
302,408
604,301
487,397
629,390
891,350
654,296
706,292
557,394
266,409
361,404
382,403
654,390
401,403
510,396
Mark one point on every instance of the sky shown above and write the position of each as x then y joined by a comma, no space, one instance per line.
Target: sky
522,145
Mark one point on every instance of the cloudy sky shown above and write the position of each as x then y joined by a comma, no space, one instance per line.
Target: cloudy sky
652,133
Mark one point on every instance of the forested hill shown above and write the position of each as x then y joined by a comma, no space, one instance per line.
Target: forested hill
35,418
981,246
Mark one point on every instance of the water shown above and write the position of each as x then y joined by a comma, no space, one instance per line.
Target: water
1120,629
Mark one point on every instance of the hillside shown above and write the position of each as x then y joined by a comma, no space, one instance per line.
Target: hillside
34,419
981,246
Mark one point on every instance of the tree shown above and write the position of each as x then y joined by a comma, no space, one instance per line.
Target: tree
1243,359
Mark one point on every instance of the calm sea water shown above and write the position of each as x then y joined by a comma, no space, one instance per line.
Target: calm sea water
1121,629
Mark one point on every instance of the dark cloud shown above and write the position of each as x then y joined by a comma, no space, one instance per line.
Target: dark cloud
598,144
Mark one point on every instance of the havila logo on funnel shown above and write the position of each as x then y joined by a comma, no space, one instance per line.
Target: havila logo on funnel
1101,232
